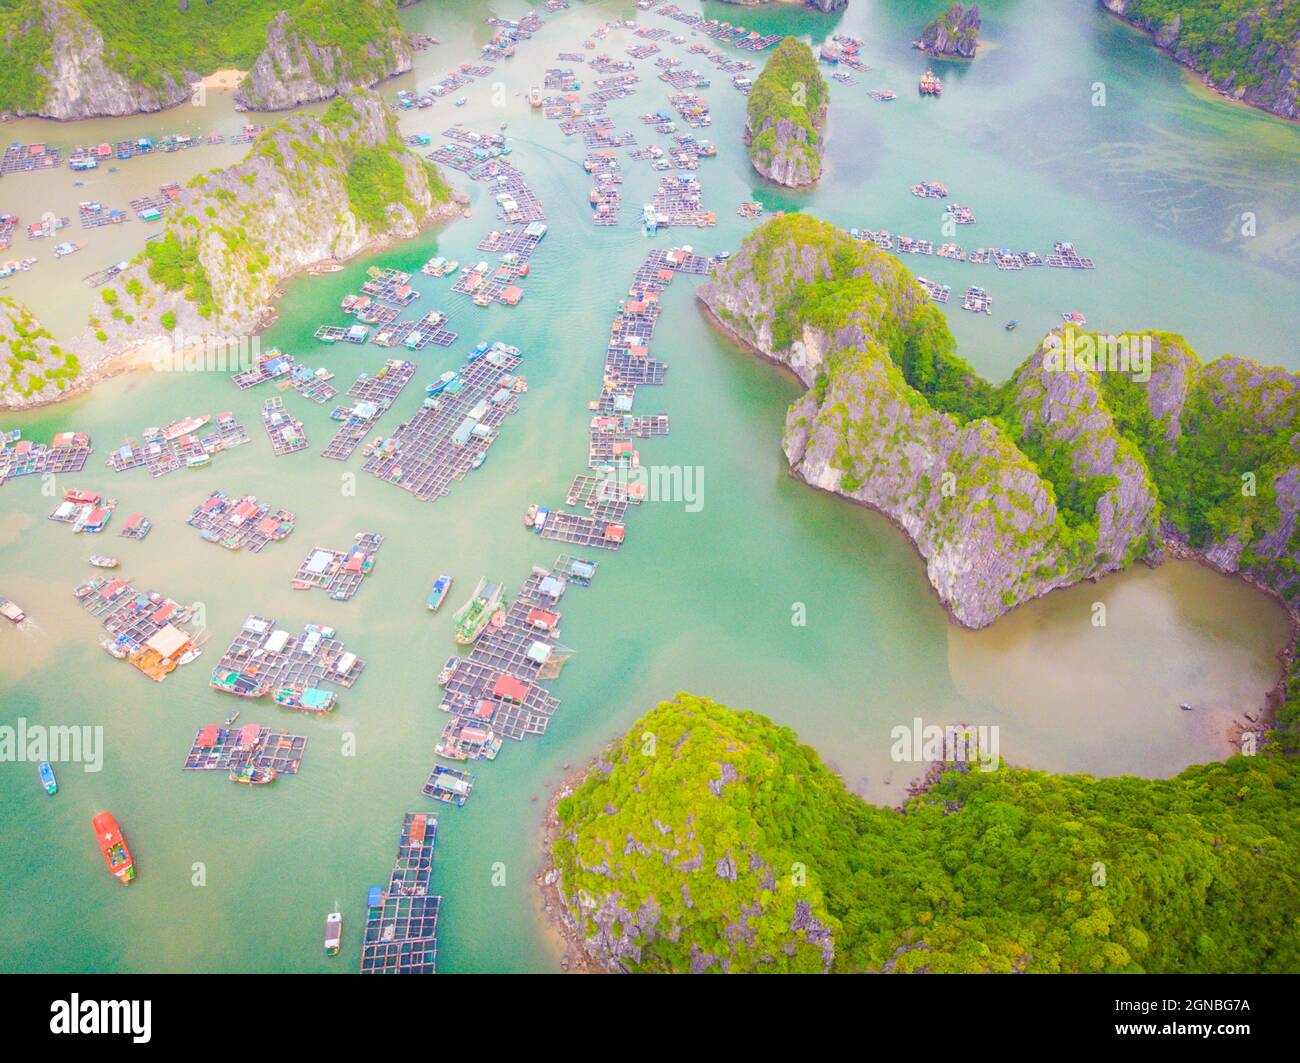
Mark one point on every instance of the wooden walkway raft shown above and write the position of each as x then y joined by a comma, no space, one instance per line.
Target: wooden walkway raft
263,660
374,395
497,689
339,573
162,452
245,523
143,627
451,433
222,748
66,452
287,434
401,931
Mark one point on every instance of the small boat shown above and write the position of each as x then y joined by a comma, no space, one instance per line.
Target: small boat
1185,707
48,780
111,843
252,775
10,611
438,593
1010,326
333,933
448,670
231,718
540,520
460,101
193,653
531,515
100,561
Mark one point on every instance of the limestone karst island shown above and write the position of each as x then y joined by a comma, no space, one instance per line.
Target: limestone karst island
631,486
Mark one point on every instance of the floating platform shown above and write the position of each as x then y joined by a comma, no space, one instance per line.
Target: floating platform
221,748
144,627
67,452
263,660
168,449
450,435
449,785
374,395
339,573
287,434
244,523
401,928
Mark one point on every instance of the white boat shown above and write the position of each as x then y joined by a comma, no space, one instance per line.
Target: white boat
333,933
100,561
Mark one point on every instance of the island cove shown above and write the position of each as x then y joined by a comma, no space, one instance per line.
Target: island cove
311,190
73,59
1063,473
709,840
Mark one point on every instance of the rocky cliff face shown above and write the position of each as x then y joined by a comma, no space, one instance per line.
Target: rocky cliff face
312,52
80,84
954,33
311,189
681,862
785,117
294,69
1249,51
1010,492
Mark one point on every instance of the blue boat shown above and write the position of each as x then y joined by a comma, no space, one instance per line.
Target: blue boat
439,592
439,384
478,352
540,519
47,777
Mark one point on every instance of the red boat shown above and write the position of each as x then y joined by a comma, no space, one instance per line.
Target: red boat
113,846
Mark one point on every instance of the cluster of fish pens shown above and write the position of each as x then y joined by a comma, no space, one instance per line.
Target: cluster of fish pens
67,452
178,445
401,931
251,754
451,432
263,659
144,627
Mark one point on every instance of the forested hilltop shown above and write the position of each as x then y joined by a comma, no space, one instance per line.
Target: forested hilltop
711,840
72,59
1067,471
1249,49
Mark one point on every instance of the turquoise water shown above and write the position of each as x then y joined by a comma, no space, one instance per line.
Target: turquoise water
1150,186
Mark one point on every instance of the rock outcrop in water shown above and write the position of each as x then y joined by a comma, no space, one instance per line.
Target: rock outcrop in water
785,116
1061,474
296,69
708,840
311,189
1245,49
67,60
955,33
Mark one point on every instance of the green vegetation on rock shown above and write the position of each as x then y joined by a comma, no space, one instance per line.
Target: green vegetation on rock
149,43
24,46
34,365
708,839
1060,473
785,113
1248,47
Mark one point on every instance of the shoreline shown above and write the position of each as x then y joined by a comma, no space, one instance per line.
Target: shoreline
1200,75
139,355
1169,548
549,901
